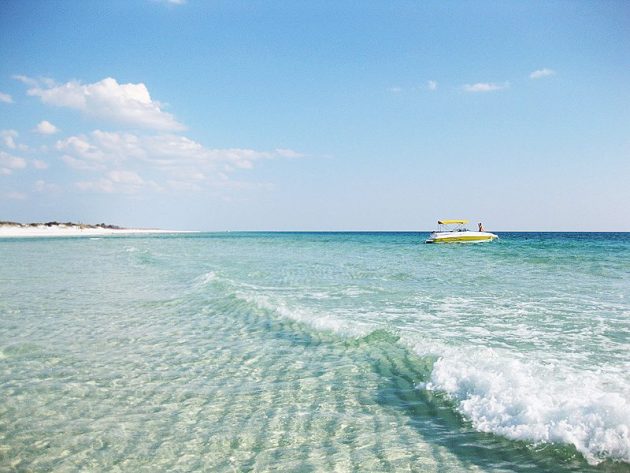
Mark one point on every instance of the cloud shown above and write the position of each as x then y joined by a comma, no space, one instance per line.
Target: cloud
127,104
162,151
287,153
395,89
125,177
8,138
171,2
43,186
118,181
485,87
5,98
10,163
33,82
166,158
46,128
540,73
432,85
39,164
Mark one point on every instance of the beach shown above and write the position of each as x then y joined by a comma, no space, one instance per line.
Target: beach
61,230
315,352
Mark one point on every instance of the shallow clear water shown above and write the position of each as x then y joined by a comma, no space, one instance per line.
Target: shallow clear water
315,352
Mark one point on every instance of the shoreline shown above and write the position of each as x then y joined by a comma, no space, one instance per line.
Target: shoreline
20,231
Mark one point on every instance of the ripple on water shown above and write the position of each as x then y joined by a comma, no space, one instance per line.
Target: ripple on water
367,353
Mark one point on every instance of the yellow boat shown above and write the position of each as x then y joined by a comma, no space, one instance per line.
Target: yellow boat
454,231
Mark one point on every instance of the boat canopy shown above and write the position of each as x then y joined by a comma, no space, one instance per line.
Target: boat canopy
451,222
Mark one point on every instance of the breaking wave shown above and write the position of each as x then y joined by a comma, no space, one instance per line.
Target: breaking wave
527,401
496,390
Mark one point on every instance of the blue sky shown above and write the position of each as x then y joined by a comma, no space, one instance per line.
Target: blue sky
328,115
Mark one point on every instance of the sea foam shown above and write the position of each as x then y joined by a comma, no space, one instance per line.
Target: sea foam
538,403
308,317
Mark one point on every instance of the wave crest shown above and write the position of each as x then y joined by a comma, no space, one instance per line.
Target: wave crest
525,401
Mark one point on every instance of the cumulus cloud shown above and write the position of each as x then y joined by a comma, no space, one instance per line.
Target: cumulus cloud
432,85
46,128
167,158
5,98
540,73
10,163
128,104
485,87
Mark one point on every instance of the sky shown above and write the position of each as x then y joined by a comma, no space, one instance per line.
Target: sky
316,115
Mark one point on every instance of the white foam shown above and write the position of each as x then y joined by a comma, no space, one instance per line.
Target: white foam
266,298
526,400
309,317
206,278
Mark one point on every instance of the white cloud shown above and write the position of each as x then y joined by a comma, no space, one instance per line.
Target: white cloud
432,85
39,164
287,153
125,177
171,2
166,158
43,186
35,82
395,89
119,182
8,138
5,98
485,87
162,151
10,163
128,104
46,128
540,73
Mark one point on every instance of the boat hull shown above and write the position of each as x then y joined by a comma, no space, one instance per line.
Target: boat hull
461,237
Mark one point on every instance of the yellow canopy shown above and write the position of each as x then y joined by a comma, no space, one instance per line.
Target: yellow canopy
450,222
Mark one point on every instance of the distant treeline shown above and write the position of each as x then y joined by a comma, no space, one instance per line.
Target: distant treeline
60,224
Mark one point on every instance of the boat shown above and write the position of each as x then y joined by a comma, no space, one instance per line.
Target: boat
454,231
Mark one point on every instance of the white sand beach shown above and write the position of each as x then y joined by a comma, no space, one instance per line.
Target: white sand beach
61,230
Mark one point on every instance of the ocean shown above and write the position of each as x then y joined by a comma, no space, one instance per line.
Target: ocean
315,352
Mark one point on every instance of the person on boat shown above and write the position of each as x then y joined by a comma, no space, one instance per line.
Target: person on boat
481,227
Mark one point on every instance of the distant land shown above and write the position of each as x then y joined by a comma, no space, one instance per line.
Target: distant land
60,224
53,228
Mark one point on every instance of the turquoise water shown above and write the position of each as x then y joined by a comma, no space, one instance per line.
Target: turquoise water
315,352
